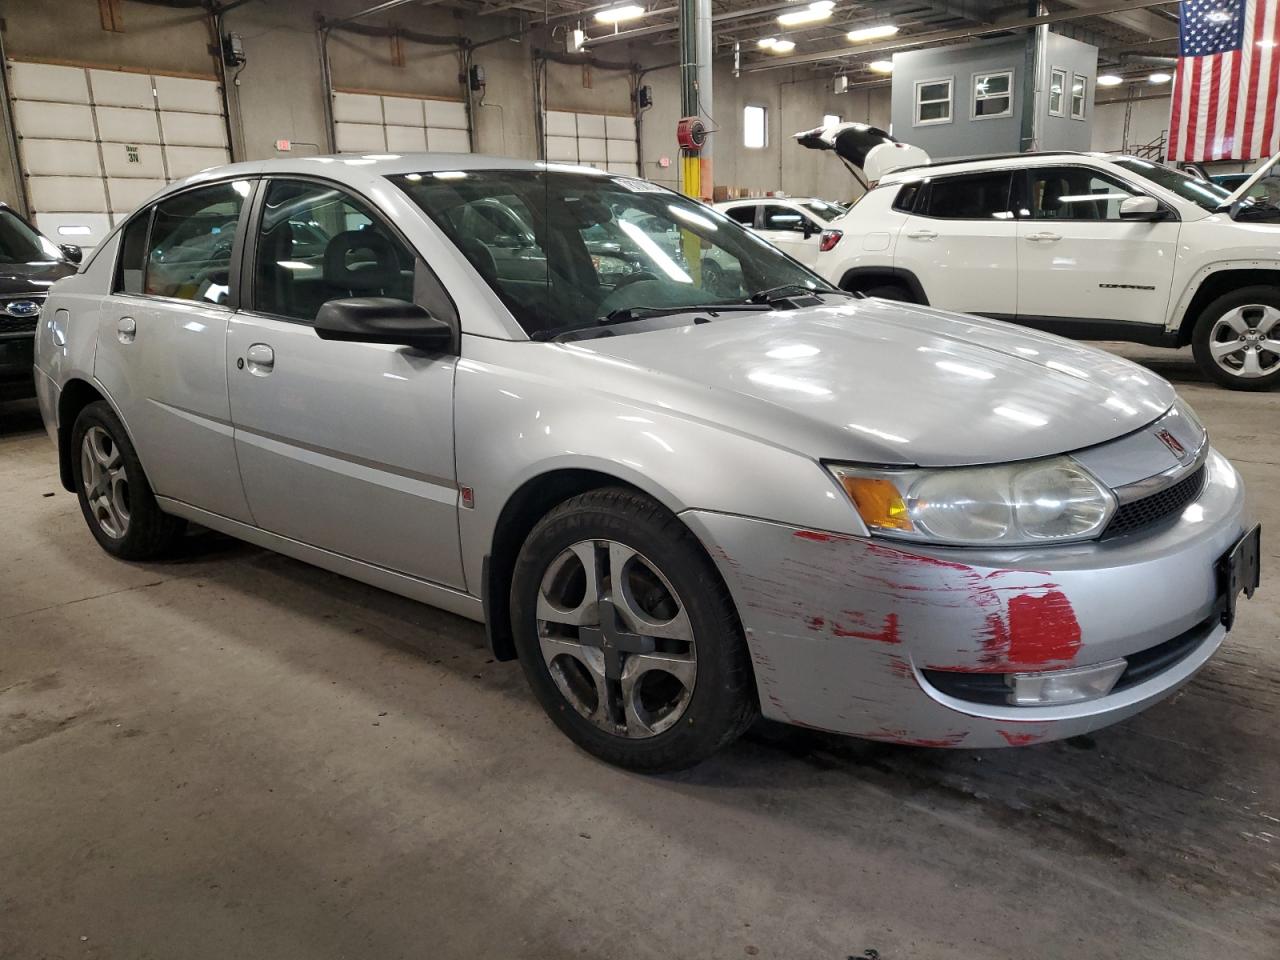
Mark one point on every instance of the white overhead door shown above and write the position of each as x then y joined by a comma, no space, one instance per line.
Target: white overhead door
95,143
607,141
374,123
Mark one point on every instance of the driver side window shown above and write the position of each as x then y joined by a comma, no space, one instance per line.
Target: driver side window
317,243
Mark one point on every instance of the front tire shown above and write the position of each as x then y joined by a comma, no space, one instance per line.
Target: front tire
628,636
114,494
1236,340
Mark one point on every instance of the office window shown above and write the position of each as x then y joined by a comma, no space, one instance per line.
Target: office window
1077,96
830,119
755,127
1057,92
992,95
933,102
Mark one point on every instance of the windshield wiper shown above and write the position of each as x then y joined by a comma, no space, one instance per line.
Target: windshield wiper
631,314
783,290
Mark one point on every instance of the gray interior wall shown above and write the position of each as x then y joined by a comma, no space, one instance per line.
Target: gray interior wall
963,136
1076,58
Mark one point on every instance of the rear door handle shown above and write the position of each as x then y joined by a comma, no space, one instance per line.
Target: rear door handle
126,330
260,358
922,235
1044,237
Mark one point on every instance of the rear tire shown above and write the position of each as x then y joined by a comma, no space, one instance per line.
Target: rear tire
1236,340
669,681
114,494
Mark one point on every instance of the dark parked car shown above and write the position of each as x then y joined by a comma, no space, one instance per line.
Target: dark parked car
29,264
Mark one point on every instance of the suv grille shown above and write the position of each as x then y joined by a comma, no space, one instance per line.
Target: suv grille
1165,503
10,324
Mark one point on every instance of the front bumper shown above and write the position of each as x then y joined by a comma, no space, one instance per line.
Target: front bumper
841,629
16,359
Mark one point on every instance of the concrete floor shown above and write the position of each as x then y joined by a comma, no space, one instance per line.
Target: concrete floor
235,755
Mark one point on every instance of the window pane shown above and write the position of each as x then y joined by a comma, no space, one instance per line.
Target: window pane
745,215
1077,97
991,107
991,84
133,254
1074,193
978,197
192,235
934,91
783,218
830,119
754,127
1057,91
935,111
317,244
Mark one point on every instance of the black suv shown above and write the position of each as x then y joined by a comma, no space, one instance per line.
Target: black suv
29,264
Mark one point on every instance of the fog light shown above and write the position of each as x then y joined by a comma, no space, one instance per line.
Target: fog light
1064,686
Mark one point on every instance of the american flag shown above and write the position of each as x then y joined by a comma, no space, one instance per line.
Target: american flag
1226,92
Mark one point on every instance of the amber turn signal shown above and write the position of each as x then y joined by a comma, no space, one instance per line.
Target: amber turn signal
878,502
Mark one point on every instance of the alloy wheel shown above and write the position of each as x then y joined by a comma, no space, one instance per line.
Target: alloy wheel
616,638
1245,341
106,485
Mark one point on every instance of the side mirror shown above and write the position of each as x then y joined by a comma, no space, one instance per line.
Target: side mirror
1141,208
808,228
383,320
73,253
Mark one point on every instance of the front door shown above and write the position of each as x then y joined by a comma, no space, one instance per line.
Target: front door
343,446
162,343
1078,260
961,243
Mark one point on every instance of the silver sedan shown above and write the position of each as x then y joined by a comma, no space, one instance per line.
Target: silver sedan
680,477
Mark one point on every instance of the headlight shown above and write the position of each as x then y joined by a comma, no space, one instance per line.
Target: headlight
1037,501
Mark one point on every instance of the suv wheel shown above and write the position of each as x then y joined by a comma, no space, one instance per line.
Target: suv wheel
114,494
627,635
1237,339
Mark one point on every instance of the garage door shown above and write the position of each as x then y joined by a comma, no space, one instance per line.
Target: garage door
95,143
376,123
607,141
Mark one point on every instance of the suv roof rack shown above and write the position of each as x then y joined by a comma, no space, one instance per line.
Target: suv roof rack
999,156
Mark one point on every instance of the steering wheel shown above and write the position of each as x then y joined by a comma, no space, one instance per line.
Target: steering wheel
633,278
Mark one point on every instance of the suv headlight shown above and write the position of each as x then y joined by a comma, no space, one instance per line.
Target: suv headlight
1037,501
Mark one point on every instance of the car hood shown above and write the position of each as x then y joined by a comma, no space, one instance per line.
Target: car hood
37,277
878,382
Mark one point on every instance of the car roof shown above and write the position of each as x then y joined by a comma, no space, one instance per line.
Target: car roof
1008,161
741,200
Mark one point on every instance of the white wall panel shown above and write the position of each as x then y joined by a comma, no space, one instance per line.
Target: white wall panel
145,160
406,139
67,194
183,93
624,169
402,111
184,161
591,150
448,141
624,151
126,125
445,113
562,149
590,125
71,158
114,88
620,128
46,81
561,124
192,129
357,108
53,121
597,139
359,137
128,194
83,229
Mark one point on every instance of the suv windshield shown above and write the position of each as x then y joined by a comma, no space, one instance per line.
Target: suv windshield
20,244
823,209
1208,195
569,250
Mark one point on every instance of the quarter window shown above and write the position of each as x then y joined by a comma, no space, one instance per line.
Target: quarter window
1078,87
1075,193
1057,92
992,95
978,196
189,248
755,127
744,215
316,244
933,102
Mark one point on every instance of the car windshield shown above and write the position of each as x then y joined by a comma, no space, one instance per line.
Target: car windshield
1208,195
567,250
823,209
20,244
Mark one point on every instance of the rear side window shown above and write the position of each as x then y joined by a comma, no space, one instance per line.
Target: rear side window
905,201
744,215
192,236
133,254
978,196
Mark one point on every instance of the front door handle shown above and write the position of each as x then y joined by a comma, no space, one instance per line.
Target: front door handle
1044,237
922,235
126,330
261,359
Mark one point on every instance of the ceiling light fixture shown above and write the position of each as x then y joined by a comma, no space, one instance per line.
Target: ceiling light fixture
766,43
881,66
878,32
818,10
783,46
628,11
1109,80
1160,78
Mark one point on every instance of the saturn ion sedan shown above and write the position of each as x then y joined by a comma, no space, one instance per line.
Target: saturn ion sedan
503,389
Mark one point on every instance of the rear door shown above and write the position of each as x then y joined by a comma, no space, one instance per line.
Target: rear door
343,446
1078,260
791,230
961,243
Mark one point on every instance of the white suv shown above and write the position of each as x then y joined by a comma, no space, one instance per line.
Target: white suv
1090,246
792,224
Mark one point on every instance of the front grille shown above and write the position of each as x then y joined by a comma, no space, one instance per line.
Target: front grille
10,325
1166,503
